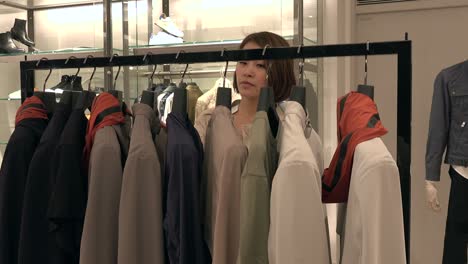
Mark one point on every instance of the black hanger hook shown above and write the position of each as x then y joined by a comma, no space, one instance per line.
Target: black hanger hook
152,74
92,74
69,58
146,55
76,74
365,64
268,63
118,70
186,66
48,75
183,74
178,53
264,49
301,66
225,68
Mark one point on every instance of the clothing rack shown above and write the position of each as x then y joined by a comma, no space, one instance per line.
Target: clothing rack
404,88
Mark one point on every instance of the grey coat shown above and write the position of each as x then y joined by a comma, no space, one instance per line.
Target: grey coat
449,118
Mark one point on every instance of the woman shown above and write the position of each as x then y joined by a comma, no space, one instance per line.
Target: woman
250,77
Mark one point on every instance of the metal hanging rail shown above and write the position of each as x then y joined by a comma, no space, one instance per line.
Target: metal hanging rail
404,90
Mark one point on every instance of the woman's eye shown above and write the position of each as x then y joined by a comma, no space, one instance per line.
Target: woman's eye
261,65
242,62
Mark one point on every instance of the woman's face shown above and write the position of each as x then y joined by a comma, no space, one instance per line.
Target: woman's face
251,75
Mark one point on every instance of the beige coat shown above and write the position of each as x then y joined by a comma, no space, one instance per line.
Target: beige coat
193,92
100,230
208,99
140,216
298,230
225,157
373,225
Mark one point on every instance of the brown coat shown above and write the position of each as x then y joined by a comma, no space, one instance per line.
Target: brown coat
100,231
140,216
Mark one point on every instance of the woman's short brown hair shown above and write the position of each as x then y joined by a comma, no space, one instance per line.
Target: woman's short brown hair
281,72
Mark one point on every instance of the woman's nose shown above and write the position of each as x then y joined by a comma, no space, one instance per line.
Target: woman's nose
249,70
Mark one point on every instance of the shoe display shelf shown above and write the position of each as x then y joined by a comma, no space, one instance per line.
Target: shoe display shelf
31,6
204,70
54,54
216,45
36,5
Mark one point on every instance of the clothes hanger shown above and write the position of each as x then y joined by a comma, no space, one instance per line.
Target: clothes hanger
47,98
223,95
191,80
266,101
117,94
365,88
172,86
298,92
160,87
85,99
67,95
147,96
182,84
179,103
74,82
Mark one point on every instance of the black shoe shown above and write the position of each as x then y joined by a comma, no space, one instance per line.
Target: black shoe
18,32
7,45
63,83
75,83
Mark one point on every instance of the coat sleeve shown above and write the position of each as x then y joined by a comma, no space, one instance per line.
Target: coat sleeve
439,125
297,223
99,239
140,216
201,124
382,216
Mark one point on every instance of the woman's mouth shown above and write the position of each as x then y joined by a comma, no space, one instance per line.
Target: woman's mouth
246,83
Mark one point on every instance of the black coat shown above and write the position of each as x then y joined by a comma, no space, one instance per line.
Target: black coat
34,246
68,199
13,175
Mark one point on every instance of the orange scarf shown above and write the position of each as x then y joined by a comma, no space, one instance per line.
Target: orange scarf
32,107
358,121
112,114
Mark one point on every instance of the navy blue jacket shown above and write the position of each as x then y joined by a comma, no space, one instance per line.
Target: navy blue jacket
182,220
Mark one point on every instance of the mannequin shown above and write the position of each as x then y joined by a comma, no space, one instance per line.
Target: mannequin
432,197
447,133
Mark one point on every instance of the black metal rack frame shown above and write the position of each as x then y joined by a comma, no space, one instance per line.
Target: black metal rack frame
402,49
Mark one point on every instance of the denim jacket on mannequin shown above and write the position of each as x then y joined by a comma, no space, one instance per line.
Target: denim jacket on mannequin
448,126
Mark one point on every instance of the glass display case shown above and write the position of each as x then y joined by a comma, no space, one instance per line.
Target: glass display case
209,25
59,29
78,28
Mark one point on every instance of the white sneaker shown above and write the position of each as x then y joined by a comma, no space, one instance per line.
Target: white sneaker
166,24
16,95
164,38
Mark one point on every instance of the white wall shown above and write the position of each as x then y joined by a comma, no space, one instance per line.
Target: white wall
338,27
439,40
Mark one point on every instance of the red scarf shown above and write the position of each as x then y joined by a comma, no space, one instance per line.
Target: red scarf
105,102
32,107
358,121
